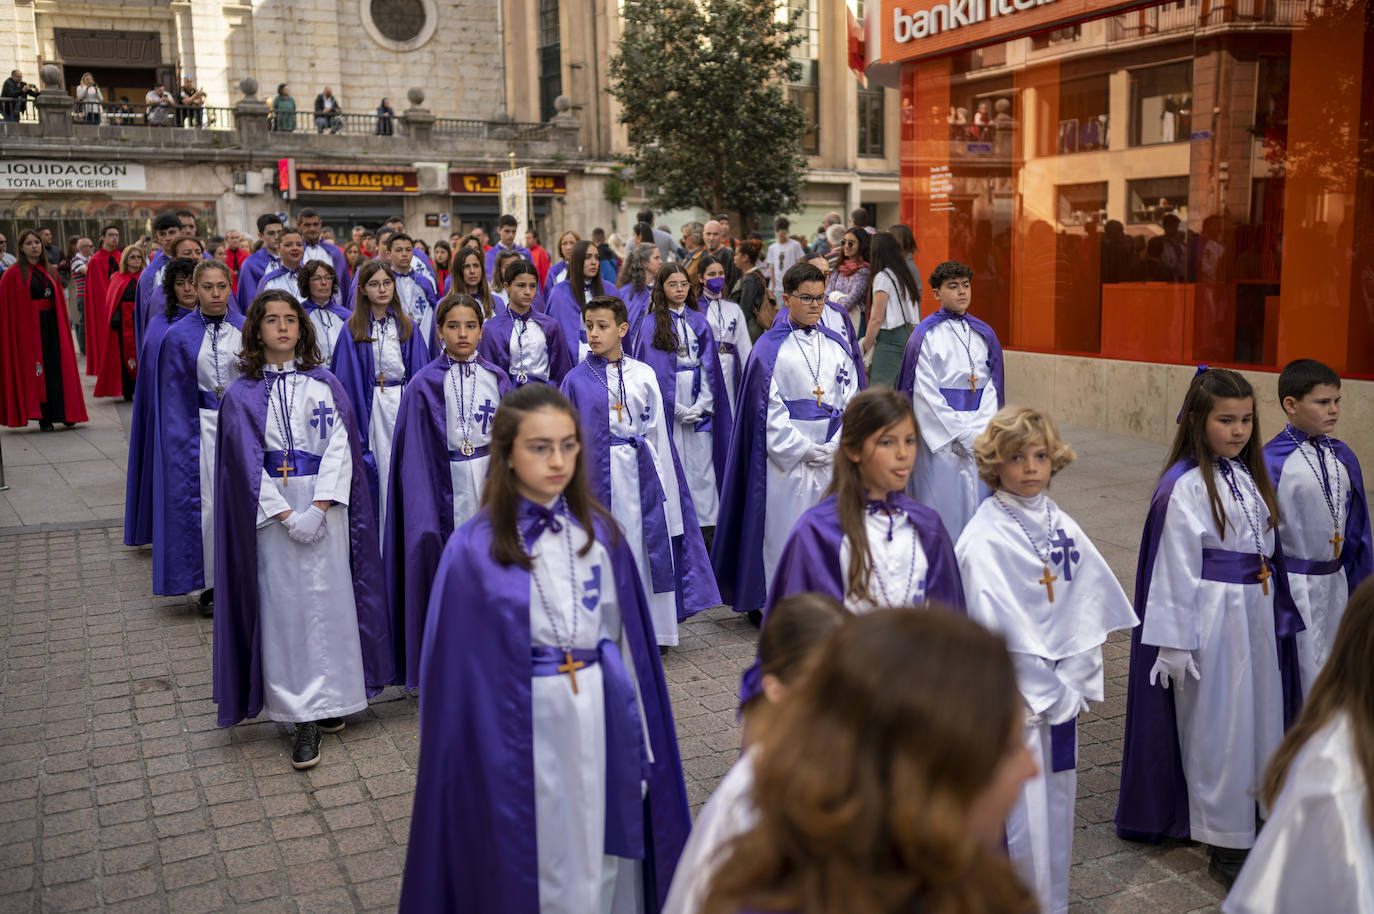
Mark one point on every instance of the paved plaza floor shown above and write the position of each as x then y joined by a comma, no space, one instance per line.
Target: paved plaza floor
119,793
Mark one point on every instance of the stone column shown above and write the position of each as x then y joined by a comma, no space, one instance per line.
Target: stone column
54,105
250,116
418,121
568,129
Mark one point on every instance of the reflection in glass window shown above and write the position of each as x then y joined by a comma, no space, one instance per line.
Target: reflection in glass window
1079,204
1162,104
1084,108
1148,201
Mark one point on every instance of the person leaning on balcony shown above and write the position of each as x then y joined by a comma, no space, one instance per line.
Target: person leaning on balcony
386,115
14,96
159,107
328,114
283,110
88,99
190,104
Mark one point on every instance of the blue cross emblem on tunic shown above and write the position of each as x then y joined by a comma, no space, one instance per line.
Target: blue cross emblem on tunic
484,414
1064,552
323,419
591,590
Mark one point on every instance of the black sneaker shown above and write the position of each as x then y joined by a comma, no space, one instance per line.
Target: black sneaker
330,724
307,751
44,425
755,617
207,602
1226,864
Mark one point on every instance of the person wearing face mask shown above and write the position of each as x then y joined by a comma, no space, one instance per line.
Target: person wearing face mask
727,323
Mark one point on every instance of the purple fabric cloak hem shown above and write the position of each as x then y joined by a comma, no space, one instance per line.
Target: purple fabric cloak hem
178,556
138,480
783,316
640,345
1357,552
472,836
1153,800
906,375
419,513
238,481
810,562
737,550
495,344
694,583
357,372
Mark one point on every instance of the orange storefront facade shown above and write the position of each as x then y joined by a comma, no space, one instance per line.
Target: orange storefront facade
1169,184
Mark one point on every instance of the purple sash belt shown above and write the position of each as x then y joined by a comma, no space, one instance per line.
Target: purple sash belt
651,510
1229,567
298,463
808,410
962,400
1312,566
1063,745
389,382
627,762
456,456
208,400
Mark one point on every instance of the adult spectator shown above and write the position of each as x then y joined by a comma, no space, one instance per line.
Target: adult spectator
711,236
834,237
6,258
858,218
122,113
190,104
723,220
356,234
51,249
751,291
821,246
610,263
328,114
667,248
88,99
848,282
386,117
906,240
283,110
14,96
235,253
1174,256
76,307
158,112
103,267
782,253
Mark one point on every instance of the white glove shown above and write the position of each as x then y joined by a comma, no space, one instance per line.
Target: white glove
1066,708
1172,666
820,455
307,528
691,416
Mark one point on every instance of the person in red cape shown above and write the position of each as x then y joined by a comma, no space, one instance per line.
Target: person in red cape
102,268
118,350
38,374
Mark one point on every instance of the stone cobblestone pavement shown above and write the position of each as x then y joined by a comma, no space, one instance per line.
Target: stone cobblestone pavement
118,793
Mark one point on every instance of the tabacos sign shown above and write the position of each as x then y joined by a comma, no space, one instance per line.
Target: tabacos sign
954,14
357,181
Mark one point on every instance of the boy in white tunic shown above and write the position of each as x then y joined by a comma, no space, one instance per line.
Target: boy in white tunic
1031,574
417,294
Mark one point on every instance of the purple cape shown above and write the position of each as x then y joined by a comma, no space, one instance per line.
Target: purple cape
551,279
419,514
149,300
810,561
636,303
640,345
178,556
906,375
238,480
737,551
1153,800
695,585
563,307
1357,553
138,481
333,308
252,272
495,344
472,840
356,371
496,250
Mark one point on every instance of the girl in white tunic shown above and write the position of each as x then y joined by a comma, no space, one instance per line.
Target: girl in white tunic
1213,664
320,294
728,325
1316,852
1031,574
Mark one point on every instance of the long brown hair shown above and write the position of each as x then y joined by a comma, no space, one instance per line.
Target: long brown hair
864,783
254,355
499,494
870,412
1190,441
360,321
24,259
1343,686
455,269
577,278
796,626
665,331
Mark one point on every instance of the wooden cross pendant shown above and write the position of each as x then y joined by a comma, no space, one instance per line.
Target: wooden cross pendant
973,384
571,666
1048,580
1335,542
1263,576
819,393
284,469
619,408
381,382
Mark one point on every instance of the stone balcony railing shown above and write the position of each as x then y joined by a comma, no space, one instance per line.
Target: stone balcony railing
251,130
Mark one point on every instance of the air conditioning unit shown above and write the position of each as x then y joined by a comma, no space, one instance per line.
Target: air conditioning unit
432,177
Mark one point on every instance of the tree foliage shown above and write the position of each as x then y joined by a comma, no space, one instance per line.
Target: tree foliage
702,89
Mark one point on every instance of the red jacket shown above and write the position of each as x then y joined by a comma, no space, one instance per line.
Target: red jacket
22,386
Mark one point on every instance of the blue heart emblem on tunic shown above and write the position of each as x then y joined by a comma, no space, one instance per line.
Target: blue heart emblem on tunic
591,591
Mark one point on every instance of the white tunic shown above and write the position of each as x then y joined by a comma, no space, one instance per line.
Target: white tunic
416,304
221,340
946,475
576,876
386,404
730,328
1316,852
529,349
694,448
644,417
794,482
312,661
1230,630
897,567
728,814
285,281
1306,529
1056,651
328,327
480,395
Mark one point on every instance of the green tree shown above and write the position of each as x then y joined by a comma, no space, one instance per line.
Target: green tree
702,89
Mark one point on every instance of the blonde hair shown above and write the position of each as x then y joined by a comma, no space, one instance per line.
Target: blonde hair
1013,428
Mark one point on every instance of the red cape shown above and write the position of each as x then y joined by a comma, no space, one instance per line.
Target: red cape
21,353
103,266
110,383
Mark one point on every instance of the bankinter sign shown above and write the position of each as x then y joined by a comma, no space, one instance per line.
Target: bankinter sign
945,17
914,29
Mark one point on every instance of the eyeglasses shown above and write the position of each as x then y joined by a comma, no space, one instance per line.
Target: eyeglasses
379,285
808,299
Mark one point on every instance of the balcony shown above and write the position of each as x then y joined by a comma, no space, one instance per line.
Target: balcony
1186,16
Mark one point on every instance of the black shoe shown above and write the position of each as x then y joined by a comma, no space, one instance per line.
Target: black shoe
307,751
1226,864
330,724
663,650
755,617
44,425
69,424
207,602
